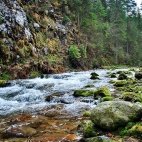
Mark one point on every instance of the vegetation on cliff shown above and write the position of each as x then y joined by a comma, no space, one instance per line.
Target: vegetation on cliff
54,36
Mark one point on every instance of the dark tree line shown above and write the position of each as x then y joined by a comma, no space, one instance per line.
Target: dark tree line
113,28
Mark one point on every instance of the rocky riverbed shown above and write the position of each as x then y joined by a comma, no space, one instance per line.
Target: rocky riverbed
93,106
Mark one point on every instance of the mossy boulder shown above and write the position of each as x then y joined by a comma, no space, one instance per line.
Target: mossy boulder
3,83
88,129
102,92
99,139
94,76
110,115
83,93
120,83
122,76
132,96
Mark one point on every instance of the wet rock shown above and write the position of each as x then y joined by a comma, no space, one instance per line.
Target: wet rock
122,76
132,96
52,96
113,114
83,93
113,75
120,83
45,86
88,129
4,83
89,86
138,75
99,139
66,101
36,26
49,98
87,100
19,131
87,114
94,76
102,92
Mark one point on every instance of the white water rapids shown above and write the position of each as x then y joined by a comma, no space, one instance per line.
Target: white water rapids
29,95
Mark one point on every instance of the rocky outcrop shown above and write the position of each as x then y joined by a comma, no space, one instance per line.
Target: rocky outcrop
39,32
13,16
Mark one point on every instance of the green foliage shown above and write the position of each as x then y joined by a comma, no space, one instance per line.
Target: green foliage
5,76
53,59
74,52
34,74
66,19
132,129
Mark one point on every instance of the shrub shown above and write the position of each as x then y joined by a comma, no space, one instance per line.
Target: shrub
83,51
74,52
66,19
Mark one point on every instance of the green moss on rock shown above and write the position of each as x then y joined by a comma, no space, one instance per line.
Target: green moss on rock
102,92
136,130
108,98
3,83
120,83
132,129
132,96
88,129
111,115
87,113
83,93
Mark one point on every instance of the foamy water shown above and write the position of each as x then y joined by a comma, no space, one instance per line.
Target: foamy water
29,95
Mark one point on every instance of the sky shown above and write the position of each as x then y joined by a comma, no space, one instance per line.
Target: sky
138,2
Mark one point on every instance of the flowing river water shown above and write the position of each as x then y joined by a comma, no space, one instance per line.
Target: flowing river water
50,97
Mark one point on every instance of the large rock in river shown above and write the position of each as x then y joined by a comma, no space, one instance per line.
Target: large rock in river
113,114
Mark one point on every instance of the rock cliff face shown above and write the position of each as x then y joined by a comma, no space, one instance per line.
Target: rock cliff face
35,35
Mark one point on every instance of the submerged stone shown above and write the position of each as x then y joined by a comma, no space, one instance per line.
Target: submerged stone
122,76
138,75
19,131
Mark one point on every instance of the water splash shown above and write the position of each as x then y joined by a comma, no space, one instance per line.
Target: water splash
29,95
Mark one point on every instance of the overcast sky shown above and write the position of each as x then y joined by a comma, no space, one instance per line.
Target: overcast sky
138,2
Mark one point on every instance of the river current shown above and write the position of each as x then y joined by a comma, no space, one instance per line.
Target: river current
29,95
